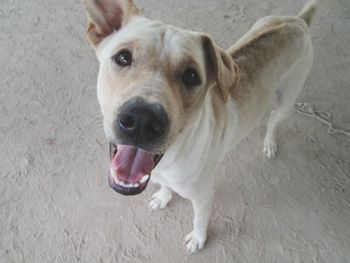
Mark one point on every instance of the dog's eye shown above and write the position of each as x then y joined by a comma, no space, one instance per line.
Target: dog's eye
190,77
123,58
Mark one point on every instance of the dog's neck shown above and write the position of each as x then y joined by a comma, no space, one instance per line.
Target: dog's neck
203,143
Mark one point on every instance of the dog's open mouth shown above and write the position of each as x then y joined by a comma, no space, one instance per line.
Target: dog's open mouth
130,168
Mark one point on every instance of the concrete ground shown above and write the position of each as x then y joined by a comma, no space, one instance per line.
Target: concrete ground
55,202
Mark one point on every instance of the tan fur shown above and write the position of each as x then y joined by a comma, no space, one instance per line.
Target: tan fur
223,67
106,16
262,47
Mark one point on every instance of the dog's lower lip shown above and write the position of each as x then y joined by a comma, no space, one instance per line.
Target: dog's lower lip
125,190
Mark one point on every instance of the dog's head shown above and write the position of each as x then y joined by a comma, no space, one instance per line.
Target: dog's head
153,78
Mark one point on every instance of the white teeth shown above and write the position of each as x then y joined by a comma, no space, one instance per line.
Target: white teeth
115,177
144,179
113,173
116,180
131,185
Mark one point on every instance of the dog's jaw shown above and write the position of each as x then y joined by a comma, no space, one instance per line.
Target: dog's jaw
130,168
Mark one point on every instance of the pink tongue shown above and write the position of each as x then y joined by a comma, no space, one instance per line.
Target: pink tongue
132,163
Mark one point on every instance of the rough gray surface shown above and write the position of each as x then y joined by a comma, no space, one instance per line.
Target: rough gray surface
55,203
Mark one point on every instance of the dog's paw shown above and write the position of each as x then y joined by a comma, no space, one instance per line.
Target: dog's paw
270,149
160,199
195,242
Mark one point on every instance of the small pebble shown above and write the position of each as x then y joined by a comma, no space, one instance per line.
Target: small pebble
49,141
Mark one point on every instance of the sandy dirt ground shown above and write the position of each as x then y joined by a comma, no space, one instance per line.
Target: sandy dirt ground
55,202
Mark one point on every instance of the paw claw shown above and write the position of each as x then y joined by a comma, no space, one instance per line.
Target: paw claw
159,200
194,242
270,149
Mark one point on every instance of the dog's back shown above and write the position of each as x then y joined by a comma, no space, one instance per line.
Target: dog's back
274,56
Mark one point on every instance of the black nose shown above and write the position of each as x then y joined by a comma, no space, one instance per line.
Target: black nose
141,124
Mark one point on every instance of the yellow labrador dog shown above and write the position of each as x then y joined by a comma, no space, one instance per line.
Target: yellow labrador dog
174,103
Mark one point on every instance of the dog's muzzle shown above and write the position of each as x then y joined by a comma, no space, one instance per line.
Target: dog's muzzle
140,128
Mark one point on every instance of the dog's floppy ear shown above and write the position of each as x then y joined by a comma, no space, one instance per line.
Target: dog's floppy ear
105,16
221,67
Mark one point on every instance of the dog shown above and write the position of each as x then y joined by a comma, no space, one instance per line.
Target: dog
174,103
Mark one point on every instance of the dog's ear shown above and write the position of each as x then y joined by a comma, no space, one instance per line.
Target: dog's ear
221,67
105,16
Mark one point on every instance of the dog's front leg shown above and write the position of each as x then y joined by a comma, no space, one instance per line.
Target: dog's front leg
161,198
202,212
